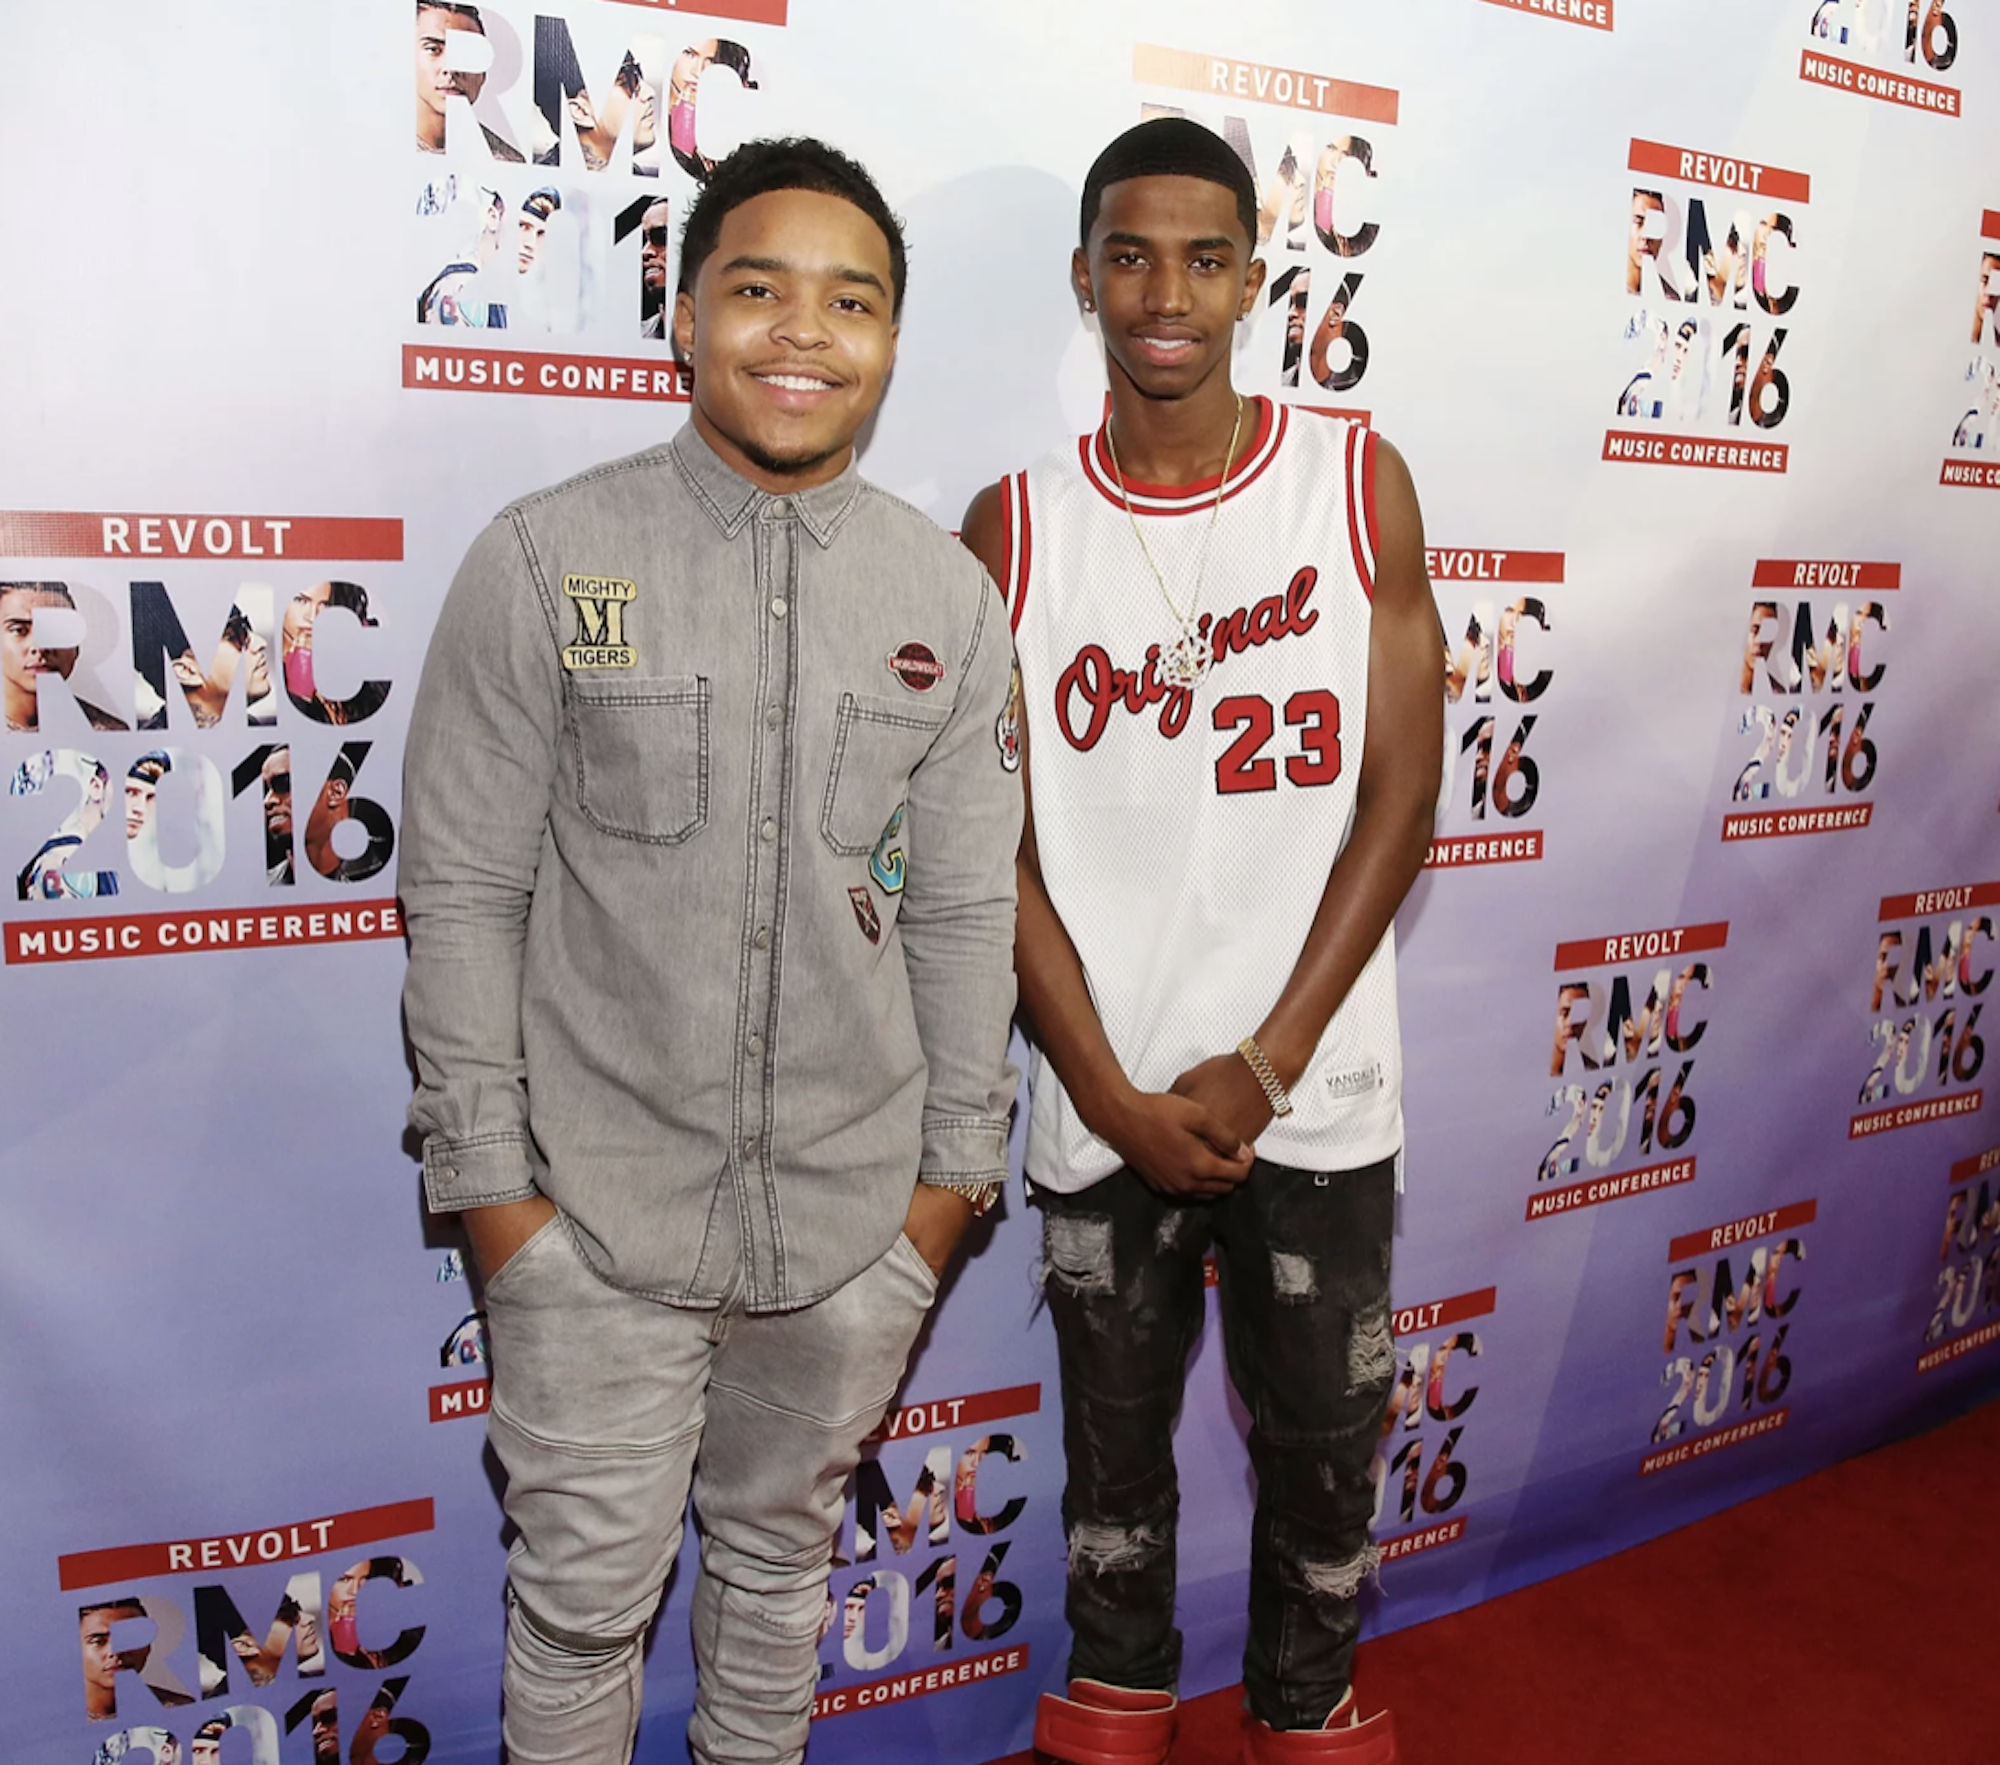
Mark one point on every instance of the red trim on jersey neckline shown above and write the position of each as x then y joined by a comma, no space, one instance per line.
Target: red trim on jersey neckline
1017,538
1184,499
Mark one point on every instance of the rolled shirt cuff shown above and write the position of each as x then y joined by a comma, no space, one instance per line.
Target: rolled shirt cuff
960,1151
478,1172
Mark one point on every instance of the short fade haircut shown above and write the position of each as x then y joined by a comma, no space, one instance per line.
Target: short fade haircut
798,162
453,6
55,591
1169,147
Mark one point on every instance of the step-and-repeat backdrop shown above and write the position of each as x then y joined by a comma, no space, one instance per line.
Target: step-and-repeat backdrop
1684,315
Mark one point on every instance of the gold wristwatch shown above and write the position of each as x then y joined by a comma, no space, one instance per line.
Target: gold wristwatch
1266,1075
982,1192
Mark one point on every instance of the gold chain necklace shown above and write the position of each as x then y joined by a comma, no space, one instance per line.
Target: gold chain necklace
1186,661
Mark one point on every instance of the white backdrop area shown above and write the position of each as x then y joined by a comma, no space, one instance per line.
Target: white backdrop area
1684,316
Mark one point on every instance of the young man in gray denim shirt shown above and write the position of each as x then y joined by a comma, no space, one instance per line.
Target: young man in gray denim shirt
711,807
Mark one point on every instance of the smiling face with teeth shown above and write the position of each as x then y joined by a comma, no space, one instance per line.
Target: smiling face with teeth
790,329
1169,265
1170,271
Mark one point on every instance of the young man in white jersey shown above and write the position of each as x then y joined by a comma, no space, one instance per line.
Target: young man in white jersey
1233,713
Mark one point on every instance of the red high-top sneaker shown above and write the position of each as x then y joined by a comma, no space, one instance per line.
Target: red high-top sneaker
1099,1724
1341,1740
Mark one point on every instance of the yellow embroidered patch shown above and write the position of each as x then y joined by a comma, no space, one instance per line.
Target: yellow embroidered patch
600,603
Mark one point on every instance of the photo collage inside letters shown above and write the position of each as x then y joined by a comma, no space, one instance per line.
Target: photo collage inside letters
63,639
557,163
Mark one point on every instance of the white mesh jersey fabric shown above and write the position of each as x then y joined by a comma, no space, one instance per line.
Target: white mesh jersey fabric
1185,838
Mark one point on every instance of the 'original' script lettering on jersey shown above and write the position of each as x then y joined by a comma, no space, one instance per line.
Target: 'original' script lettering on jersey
1100,686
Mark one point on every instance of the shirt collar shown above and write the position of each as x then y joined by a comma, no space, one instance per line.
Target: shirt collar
731,499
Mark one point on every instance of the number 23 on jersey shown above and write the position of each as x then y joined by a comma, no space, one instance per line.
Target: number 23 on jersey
1311,755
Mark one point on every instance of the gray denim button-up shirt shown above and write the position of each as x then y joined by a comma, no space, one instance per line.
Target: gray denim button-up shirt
710,814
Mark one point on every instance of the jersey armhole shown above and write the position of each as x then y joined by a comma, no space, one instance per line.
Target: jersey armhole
1361,528
1017,540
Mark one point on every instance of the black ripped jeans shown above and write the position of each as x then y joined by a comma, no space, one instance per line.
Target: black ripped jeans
1303,1265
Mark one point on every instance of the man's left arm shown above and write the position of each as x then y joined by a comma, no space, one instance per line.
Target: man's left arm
1395,810
962,828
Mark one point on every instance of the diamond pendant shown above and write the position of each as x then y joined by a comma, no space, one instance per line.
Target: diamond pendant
1185,662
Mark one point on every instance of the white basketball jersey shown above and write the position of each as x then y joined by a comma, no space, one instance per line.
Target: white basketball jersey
1185,836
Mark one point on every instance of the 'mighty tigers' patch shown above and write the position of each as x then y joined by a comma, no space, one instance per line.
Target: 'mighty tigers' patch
600,603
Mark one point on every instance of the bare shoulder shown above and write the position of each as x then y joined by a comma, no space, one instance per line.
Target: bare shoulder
1391,469
984,530
1399,530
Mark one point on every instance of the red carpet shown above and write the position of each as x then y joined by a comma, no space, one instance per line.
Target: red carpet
1845,1618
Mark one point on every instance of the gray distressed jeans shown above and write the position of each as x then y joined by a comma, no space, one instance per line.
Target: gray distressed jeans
607,1411
1303,1264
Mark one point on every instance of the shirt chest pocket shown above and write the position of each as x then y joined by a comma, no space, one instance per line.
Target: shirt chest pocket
642,757
877,744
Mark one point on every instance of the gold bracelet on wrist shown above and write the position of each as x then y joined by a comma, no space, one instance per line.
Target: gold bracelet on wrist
1266,1075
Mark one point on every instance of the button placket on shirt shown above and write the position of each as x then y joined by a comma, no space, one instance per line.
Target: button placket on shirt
776,568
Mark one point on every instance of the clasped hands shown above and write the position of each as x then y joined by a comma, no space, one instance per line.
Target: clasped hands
1196,1139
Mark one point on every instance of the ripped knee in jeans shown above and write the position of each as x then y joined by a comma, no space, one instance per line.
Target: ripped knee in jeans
1076,1252
1371,1352
1294,1278
1340,1580
1098,1547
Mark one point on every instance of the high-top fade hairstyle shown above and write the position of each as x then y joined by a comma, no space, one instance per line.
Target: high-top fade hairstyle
1170,147
798,162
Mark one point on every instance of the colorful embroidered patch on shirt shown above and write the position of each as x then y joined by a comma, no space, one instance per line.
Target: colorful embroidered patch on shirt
916,666
1007,726
865,915
600,603
886,864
